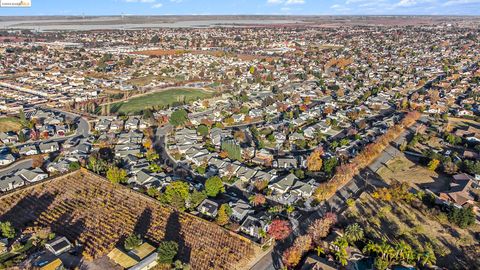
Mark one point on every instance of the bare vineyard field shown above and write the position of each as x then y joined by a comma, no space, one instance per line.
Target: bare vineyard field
86,208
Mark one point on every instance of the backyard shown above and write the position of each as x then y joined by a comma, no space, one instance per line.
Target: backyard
159,100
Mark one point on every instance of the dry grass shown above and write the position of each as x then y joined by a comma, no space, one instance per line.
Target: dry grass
417,225
400,169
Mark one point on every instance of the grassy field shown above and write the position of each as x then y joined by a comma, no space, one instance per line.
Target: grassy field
98,214
400,169
417,225
159,99
10,123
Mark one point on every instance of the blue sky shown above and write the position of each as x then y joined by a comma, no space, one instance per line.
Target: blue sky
215,7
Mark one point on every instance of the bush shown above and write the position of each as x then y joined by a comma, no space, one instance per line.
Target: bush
167,251
7,230
462,217
133,241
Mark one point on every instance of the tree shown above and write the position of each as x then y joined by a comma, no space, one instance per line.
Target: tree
450,167
279,229
202,130
314,161
354,233
116,175
154,168
133,241
462,217
74,166
167,250
96,165
22,137
433,164
330,164
291,257
179,117
151,155
7,229
128,61
232,149
179,265
257,199
320,228
341,253
176,194
37,161
224,213
454,140
427,257
196,198
213,186
155,39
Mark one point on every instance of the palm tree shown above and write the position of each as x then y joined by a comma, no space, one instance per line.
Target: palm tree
427,257
342,256
354,233
404,252
386,251
370,247
320,250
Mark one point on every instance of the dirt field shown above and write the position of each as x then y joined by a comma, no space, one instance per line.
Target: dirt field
89,209
403,170
417,225
9,123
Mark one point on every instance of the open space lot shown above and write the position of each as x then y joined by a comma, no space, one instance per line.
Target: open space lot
98,214
417,225
401,169
9,124
160,99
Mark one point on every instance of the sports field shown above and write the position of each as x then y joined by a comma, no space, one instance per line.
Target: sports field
159,100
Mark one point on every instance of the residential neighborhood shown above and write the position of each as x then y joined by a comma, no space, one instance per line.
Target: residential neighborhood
352,145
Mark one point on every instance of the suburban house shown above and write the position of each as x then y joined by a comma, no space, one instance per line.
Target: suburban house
28,150
461,190
240,209
59,245
208,208
32,175
11,182
6,159
49,147
253,227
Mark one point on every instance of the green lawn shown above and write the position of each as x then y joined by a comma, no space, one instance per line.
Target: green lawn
159,99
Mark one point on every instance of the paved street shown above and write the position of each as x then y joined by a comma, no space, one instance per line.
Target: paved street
23,164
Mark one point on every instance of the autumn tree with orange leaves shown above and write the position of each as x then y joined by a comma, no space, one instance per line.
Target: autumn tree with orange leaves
344,173
314,161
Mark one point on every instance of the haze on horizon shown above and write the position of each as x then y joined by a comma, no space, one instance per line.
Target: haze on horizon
246,7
